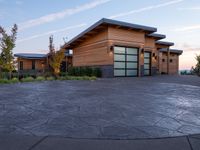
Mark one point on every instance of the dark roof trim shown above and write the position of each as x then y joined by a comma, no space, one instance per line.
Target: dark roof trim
112,22
172,50
165,43
157,36
30,55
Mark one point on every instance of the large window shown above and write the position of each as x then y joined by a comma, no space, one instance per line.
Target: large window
125,61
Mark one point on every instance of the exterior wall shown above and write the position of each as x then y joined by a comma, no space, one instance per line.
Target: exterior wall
93,51
174,65
151,47
27,64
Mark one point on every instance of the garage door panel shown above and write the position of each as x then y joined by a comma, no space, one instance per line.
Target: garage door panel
119,72
125,61
147,63
132,65
132,58
120,50
119,57
119,65
132,51
131,72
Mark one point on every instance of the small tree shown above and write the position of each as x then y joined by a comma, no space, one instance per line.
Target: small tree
7,43
55,61
197,68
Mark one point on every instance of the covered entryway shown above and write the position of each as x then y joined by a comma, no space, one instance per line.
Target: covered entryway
125,61
147,63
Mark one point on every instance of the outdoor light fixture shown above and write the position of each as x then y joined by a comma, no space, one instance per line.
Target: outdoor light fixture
111,49
142,51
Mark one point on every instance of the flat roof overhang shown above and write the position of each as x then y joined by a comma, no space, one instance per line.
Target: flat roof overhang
157,36
165,43
176,51
102,24
30,56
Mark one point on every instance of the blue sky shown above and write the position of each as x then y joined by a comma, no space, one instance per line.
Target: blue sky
38,19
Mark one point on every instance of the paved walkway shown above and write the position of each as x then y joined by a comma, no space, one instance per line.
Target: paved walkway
119,108
72,114
58,143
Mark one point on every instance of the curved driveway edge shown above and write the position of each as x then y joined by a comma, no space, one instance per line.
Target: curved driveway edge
191,142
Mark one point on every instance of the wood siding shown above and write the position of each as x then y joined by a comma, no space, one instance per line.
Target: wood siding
27,63
124,35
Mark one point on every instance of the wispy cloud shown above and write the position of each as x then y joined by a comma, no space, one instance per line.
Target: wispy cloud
51,32
146,9
190,8
59,15
187,28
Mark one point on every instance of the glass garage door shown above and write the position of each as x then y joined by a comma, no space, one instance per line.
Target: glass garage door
125,61
147,63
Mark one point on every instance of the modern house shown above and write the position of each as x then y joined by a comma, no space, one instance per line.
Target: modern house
124,49
33,64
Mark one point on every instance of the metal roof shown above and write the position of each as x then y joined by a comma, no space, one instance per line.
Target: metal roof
157,36
165,43
112,22
30,55
177,51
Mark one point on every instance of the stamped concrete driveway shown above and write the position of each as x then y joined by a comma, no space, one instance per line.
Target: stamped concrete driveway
119,108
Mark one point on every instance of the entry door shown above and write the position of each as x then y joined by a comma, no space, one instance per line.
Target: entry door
125,62
147,63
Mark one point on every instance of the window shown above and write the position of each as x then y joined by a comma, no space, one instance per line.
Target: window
171,60
33,64
21,65
163,60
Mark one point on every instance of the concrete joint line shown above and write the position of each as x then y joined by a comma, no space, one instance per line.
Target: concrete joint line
189,142
37,143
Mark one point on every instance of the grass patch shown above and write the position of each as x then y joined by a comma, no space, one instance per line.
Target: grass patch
40,78
50,78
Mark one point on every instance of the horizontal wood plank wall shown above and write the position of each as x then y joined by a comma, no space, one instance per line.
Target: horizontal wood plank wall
100,36
164,64
93,51
173,66
27,63
117,34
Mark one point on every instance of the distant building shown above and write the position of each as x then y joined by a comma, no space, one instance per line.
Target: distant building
32,63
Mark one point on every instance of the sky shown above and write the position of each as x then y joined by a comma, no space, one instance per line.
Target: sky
38,19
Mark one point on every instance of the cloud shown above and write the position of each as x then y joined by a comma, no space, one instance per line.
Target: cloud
59,15
146,9
190,8
51,32
187,28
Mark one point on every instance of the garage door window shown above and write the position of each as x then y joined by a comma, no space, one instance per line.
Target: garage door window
125,61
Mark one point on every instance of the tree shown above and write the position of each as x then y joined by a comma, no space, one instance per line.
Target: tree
197,68
56,60
7,43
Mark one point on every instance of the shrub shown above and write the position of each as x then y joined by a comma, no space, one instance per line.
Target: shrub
50,78
40,78
4,81
27,79
14,80
62,78
84,71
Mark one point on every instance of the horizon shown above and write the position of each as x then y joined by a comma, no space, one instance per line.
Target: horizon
179,24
